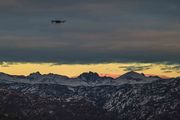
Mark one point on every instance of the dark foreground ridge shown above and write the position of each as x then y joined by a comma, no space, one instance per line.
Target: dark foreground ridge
132,96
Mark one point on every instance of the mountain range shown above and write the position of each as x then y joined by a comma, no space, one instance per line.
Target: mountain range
132,96
85,79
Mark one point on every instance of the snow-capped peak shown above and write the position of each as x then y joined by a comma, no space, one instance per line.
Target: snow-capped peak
132,75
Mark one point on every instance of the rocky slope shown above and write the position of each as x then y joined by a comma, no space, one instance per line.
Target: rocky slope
132,96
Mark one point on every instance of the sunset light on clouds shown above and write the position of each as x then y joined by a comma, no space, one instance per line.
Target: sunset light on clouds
105,69
108,37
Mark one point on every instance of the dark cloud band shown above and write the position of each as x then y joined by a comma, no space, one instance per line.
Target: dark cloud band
96,31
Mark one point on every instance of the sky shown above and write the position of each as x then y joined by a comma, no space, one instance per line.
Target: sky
104,36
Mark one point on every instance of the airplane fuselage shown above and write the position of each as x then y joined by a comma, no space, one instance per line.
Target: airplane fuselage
58,21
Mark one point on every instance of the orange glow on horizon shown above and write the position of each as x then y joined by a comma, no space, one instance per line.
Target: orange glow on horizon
110,75
106,69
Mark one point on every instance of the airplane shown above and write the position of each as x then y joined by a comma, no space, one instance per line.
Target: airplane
58,21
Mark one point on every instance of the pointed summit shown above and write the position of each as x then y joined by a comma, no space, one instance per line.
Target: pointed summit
133,75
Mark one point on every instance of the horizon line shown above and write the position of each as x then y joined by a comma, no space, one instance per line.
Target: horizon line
99,74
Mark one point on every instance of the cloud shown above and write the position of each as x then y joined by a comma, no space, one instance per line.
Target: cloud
96,31
171,68
6,64
136,67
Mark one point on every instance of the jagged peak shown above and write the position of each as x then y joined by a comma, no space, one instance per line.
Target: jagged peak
34,75
89,75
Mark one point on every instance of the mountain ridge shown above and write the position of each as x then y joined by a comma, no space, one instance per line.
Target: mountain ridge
90,72
85,79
